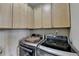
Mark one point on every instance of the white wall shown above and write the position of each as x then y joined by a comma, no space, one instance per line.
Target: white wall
4,35
74,35
15,36
64,32
9,40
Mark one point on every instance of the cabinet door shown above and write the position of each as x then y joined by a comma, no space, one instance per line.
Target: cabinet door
5,15
38,17
19,15
60,15
46,16
30,17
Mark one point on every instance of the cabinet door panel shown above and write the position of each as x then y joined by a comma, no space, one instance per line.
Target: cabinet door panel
5,15
29,17
19,19
60,15
46,16
38,17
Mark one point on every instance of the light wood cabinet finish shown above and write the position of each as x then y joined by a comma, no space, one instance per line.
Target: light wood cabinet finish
19,18
46,16
38,17
60,15
22,16
30,17
5,15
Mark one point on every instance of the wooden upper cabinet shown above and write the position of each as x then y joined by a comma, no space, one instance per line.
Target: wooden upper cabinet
19,18
30,17
38,17
60,15
5,15
46,16
22,16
